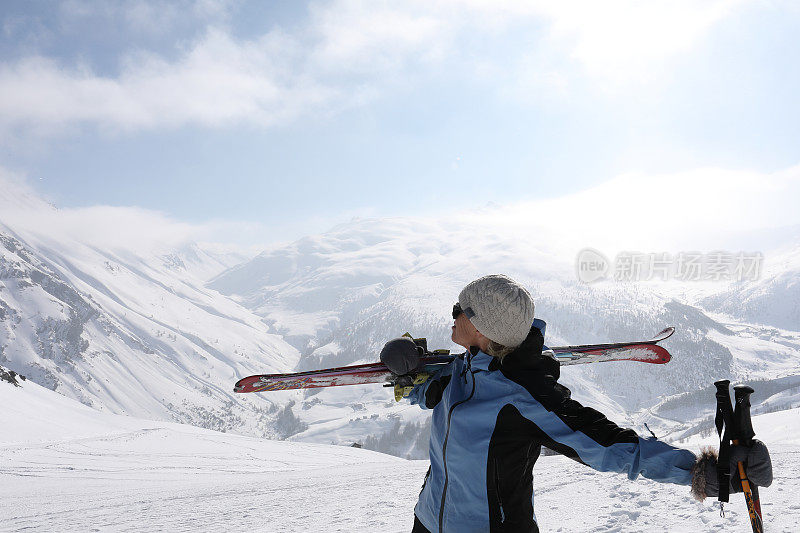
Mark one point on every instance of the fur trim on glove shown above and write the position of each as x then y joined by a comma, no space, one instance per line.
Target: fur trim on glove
706,462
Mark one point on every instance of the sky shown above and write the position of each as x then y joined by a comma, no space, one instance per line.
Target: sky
267,121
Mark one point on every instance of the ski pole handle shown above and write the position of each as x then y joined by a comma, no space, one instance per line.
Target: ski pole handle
744,435
723,418
724,414
722,388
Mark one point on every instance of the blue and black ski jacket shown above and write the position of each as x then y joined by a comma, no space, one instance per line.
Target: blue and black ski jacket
489,423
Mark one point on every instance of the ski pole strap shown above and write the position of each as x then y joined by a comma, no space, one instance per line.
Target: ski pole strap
724,423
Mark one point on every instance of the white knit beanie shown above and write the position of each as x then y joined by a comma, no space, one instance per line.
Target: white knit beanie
499,307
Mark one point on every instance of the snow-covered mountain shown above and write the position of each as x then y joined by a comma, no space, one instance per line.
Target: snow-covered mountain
67,467
773,300
337,297
130,328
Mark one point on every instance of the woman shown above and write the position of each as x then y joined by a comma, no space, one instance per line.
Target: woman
496,405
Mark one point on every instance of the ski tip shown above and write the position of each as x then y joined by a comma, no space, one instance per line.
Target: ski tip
663,334
654,354
664,356
241,385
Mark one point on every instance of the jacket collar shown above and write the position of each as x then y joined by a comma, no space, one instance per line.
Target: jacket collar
477,359
527,357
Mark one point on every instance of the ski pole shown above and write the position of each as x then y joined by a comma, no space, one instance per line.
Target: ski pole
743,434
724,423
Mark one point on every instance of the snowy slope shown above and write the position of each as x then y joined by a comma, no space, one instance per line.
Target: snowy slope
128,326
773,300
67,467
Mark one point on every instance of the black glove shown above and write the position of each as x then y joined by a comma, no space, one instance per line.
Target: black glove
401,355
757,466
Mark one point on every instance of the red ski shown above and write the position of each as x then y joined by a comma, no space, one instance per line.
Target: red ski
642,351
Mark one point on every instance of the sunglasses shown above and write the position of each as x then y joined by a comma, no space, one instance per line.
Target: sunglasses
457,310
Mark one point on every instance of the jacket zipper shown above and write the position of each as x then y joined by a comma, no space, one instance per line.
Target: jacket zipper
444,449
497,491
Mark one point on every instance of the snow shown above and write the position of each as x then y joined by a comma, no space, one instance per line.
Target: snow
67,467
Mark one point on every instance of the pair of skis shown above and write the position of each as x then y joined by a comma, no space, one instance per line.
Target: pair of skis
642,351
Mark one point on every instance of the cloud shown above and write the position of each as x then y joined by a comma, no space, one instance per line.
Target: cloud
376,38
17,196
217,82
625,41
700,208
25,211
344,54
